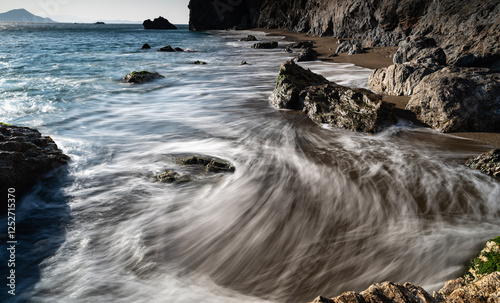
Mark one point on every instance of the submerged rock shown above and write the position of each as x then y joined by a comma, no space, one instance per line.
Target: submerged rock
146,46
307,54
249,38
458,99
323,101
168,48
171,176
199,62
266,45
210,164
25,156
141,77
158,23
488,163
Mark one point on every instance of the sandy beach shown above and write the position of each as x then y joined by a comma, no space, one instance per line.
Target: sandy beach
375,57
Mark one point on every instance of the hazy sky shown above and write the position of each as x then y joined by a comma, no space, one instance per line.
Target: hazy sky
175,11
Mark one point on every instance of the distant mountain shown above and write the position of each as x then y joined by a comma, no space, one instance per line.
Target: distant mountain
22,15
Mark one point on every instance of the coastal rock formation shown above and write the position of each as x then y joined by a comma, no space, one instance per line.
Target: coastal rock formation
481,284
25,156
302,44
350,47
158,23
168,48
171,176
307,54
209,164
467,30
323,101
266,45
458,99
488,163
141,77
420,50
146,46
249,38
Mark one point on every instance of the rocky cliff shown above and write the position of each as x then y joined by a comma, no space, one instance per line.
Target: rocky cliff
467,30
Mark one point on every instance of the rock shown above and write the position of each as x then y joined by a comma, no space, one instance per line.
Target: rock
199,62
210,164
323,101
142,76
307,54
249,38
158,23
488,163
146,46
25,156
178,49
167,48
400,79
288,49
350,47
303,44
265,45
171,176
458,99
240,14
419,50
243,62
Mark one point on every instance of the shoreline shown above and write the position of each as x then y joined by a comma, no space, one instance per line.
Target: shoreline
375,57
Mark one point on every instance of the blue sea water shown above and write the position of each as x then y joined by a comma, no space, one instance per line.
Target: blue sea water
310,210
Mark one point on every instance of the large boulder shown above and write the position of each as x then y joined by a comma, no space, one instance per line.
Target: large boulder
25,156
141,77
458,99
419,50
323,101
249,38
265,45
488,163
158,23
307,54
350,47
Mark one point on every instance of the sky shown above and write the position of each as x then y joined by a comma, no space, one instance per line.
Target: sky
176,11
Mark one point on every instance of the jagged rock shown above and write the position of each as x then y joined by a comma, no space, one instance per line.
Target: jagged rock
323,101
288,49
307,54
168,48
178,49
249,38
302,44
141,77
199,62
419,50
158,23
488,163
171,176
146,46
25,156
350,47
210,164
400,79
266,45
243,62
458,99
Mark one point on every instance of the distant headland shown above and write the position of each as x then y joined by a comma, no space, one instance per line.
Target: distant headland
22,15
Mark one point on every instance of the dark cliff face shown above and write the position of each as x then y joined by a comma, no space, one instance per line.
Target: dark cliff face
468,30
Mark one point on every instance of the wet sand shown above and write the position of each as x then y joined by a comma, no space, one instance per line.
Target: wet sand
375,57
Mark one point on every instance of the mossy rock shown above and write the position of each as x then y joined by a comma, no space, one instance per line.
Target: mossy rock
171,176
487,262
141,77
210,164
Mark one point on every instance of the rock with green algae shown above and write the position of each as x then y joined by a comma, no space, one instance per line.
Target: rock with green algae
210,164
355,109
171,176
141,77
488,163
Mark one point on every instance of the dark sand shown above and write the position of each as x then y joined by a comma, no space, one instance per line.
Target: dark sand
375,57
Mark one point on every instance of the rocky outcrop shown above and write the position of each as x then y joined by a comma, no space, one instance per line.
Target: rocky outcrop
488,163
323,101
169,48
249,38
419,50
458,99
302,44
265,45
146,46
475,288
307,54
158,23
209,164
141,77
467,30
350,47
25,156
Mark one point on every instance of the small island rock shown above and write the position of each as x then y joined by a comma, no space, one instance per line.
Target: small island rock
158,23
141,77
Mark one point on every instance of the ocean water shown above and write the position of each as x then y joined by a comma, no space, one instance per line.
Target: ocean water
309,211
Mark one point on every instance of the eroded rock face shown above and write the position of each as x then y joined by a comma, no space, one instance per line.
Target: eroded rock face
141,77
350,47
265,45
326,102
458,99
25,156
307,54
419,50
158,23
488,163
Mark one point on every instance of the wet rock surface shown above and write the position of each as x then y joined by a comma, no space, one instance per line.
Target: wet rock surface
265,45
350,47
25,156
141,77
458,99
488,163
249,38
158,23
323,101
307,54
